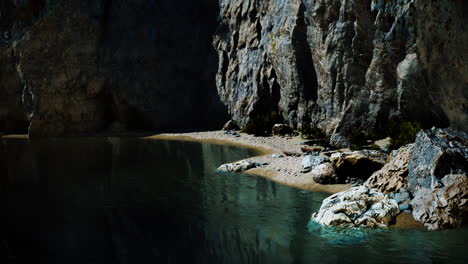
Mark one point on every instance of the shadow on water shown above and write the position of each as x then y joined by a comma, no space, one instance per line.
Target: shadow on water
113,200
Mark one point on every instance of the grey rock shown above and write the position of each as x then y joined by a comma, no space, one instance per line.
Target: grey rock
405,206
437,153
237,166
444,207
402,197
310,161
324,173
357,207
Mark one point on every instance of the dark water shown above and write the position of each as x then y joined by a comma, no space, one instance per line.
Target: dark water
144,201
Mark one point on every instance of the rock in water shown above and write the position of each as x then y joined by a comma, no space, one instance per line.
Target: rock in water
240,166
324,174
393,175
237,166
357,207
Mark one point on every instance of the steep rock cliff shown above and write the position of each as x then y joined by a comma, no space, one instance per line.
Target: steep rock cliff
343,67
113,65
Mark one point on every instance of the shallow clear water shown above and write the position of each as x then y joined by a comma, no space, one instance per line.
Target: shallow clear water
145,201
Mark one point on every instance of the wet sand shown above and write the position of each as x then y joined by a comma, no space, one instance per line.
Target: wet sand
284,170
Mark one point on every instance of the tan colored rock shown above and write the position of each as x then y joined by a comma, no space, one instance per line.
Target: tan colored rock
393,175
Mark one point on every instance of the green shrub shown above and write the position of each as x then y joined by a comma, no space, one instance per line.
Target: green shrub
403,133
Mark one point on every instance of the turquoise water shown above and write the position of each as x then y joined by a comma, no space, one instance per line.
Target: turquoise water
146,201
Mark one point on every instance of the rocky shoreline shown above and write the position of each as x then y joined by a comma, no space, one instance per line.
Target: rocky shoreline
424,183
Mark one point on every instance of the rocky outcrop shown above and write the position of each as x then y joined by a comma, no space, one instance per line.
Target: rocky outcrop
393,176
119,65
357,207
438,178
434,172
445,206
343,68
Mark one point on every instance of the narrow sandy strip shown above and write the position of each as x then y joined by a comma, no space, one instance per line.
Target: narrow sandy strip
284,170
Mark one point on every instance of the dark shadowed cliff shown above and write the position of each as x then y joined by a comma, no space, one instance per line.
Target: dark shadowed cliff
341,68
109,65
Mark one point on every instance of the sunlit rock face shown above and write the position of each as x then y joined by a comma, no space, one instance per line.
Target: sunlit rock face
113,65
357,207
344,67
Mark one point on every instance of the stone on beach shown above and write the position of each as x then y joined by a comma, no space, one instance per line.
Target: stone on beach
324,173
240,166
310,161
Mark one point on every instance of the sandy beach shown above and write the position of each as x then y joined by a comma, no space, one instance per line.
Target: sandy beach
284,170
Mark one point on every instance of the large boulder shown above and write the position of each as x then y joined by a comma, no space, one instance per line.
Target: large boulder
392,177
437,178
324,173
358,164
357,207
445,206
437,153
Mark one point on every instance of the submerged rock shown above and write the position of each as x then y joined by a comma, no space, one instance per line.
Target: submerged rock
357,207
393,176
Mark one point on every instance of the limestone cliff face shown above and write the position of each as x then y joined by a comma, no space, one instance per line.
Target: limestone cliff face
336,67
112,65
343,66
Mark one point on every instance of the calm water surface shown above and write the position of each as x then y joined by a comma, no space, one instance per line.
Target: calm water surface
146,201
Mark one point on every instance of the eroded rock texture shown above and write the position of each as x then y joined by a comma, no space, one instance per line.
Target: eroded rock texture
111,65
357,207
393,176
343,67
